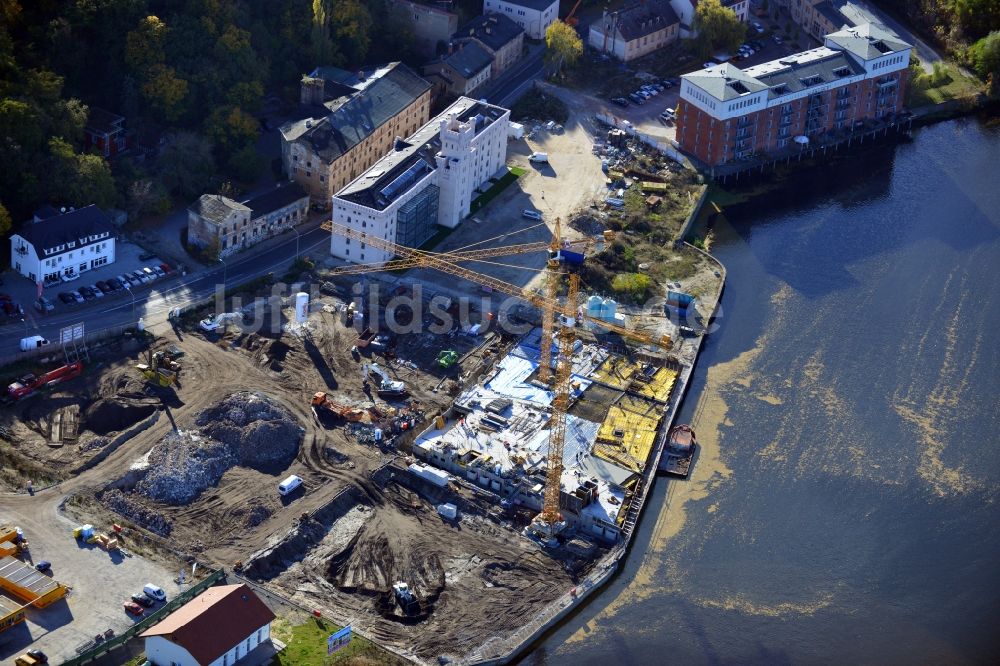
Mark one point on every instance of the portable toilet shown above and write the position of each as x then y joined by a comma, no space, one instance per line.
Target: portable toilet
87,531
594,306
610,309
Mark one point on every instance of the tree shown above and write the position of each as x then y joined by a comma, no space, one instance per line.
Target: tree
564,46
354,25
93,182
164,91
144,46
186,165
984,56
718,28
5,221
977,17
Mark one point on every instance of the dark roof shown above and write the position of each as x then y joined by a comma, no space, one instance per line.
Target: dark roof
412,159
494,30
276,198
45,212
216,207
640,19
357,117
469,60
215,621
831,13
77,226
101,121
537,5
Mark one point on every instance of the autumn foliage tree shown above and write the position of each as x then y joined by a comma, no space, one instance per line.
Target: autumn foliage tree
718,28
564,46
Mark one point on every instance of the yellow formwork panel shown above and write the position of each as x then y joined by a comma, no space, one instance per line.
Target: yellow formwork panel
620,373
626,438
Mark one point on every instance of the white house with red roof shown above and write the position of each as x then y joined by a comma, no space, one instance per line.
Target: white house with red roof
219,627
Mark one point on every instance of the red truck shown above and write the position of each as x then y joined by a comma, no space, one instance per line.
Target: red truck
28,384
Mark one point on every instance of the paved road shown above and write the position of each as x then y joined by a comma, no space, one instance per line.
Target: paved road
515,83
154,302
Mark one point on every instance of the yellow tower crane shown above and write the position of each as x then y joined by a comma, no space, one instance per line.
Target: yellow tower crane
548,522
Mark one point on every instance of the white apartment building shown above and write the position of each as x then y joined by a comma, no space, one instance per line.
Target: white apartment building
535,16
425,181
61,246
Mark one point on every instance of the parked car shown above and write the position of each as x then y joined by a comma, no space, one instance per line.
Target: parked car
141,277
86,292
70,277
154,592
125,280
98,293
165,268
638,99
148,272
77,296
757,26
103,286
43,565
531,214
113,284
146,256
44,305
133,608
67,298
142,600
620,101
777,39
159,272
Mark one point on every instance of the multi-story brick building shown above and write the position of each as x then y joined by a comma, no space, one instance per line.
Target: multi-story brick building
726,113
347,121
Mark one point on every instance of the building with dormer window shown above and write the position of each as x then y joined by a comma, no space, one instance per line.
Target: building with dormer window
57,247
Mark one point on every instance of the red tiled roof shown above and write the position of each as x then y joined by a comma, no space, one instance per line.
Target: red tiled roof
212,623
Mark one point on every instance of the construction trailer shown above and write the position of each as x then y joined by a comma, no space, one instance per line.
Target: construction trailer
24,582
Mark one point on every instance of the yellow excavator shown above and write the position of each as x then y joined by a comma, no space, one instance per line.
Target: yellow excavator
158,369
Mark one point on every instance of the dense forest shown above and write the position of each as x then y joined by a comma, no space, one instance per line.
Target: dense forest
192,71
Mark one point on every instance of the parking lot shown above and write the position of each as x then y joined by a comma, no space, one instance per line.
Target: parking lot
100,580
22,291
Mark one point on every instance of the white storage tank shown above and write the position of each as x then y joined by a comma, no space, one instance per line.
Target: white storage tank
301,307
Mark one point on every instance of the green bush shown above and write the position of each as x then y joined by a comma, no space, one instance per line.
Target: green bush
635,286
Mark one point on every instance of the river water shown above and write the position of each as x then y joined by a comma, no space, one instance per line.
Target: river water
843,507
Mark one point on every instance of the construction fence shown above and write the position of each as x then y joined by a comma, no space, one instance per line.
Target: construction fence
92,651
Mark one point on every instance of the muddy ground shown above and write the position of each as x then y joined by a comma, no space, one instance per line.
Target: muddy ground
342,555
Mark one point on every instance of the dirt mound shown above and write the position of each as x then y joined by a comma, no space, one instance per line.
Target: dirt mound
250,515
110,415
129,507
259,433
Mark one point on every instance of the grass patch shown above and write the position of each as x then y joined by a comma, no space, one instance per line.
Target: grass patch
944,84
306,646
538,105
513,173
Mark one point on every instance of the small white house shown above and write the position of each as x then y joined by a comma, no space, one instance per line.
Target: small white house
219,627
535,16
61,246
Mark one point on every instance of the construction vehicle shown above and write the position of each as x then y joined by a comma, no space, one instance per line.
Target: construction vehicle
549,522
405,597
321,400
158,369
214,322
31,658
571,19
447,358
365,338
387,387
30,383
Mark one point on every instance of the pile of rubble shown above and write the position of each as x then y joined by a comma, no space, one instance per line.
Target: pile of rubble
126,505
245,429
258,432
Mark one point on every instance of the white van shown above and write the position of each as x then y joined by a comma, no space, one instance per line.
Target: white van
154,592
541,158
33,342
289,484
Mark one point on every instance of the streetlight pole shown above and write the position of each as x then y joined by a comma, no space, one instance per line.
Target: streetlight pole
296,243
130,293
225,271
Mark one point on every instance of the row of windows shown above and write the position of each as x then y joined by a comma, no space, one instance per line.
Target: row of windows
94,249
891,61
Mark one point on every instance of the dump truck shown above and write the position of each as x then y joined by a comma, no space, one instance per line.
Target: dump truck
321,400
30,383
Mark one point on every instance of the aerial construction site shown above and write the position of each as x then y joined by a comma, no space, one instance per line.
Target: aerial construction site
406,481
